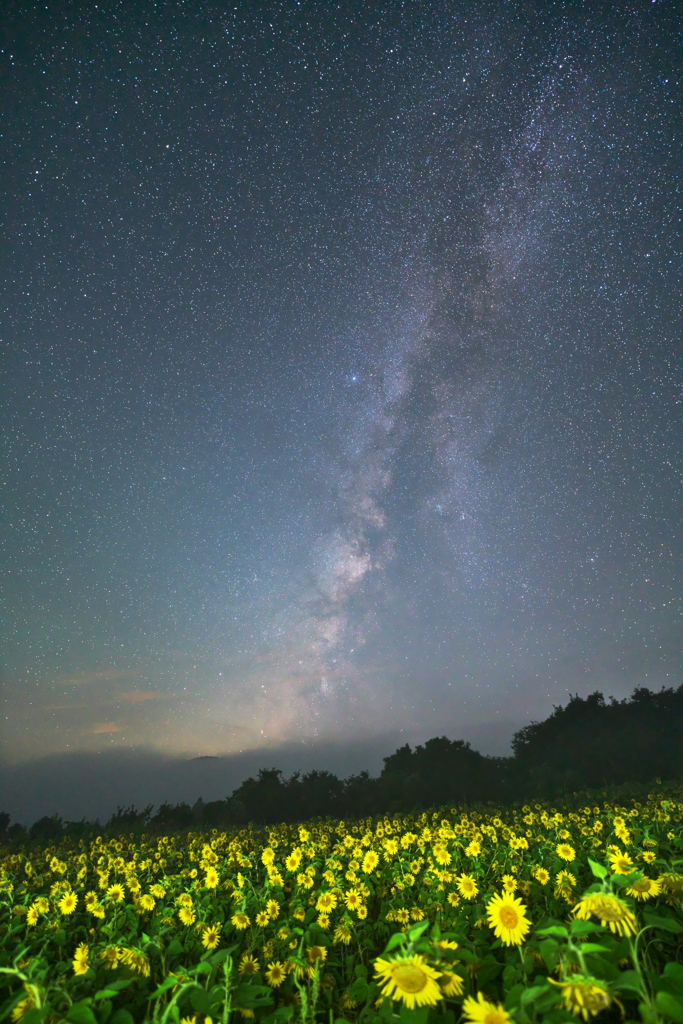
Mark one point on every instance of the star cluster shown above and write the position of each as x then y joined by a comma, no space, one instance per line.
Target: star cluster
342,385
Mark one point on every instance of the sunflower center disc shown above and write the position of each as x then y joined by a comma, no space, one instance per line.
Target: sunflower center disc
508,917
410,978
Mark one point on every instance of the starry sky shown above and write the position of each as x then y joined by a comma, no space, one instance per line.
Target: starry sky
341,385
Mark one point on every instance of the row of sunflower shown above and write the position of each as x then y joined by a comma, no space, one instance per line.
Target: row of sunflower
512,915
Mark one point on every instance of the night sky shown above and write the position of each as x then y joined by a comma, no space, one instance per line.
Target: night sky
341,378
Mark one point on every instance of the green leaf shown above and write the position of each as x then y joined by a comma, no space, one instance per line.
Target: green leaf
629,981
163,987
667,924
466,956
105,1011
114,987
580,929
554,929
35,1015
417,930
670,1006
252,996
121,1017
549,950
673,977
598,869
513,997
200,1000
418,1015
81,1013
397,939
175,947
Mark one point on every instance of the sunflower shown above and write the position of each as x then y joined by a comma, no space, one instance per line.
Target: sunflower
116,893
353,899
507,917
80,960
32,916
584,997
240,921
643,888
262,918
609,910
187,916
68,903
370,862
467,887
565,852
211,936
248,964
275,974
481,1011
451,983
211,878
621,863
91,900
342,934
111,956
541,875
410,980
273,908
326,901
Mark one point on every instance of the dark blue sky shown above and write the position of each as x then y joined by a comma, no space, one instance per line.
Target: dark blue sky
342,375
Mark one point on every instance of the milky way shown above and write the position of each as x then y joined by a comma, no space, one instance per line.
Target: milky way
342,393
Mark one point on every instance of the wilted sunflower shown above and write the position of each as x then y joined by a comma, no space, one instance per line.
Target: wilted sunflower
582,996
644,888
410,980
451,983
609,910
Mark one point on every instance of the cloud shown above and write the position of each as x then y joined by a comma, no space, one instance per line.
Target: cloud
107,727
138,696
90,785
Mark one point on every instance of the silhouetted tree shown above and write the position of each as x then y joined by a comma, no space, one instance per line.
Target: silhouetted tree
172,817
592,743
127,819
46,829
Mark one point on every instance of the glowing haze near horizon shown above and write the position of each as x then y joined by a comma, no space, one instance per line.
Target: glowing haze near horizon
342,375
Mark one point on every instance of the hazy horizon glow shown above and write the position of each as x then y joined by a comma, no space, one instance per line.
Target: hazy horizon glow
343,389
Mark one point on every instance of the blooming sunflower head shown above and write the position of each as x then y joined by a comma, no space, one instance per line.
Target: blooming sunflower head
410,980
80,960
481,1011
507,916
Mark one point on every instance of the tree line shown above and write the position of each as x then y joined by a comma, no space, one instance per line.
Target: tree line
589,744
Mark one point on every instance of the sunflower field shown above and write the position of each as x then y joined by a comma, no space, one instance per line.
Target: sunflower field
491,916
